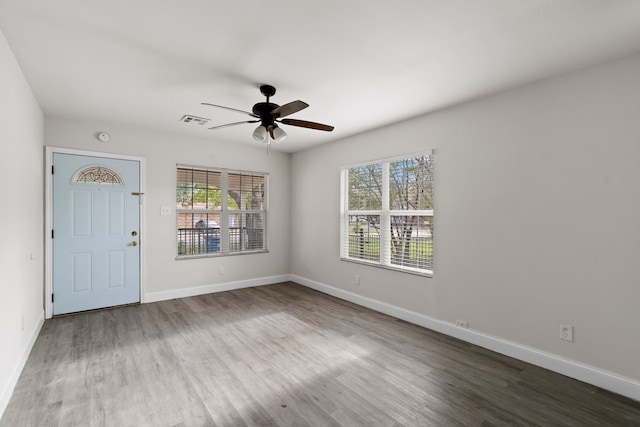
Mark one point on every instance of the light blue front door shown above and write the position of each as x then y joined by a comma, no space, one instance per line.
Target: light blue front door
96,232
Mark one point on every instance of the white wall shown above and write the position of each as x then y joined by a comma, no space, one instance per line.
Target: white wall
537,216
164,275
21,227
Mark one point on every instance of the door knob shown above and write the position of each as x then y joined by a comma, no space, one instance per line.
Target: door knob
134,243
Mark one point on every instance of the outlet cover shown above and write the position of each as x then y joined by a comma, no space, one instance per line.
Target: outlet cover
165,210
566,332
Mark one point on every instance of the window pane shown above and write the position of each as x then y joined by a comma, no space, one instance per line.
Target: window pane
411,184
214,197
255,195
234,184
185,220
246,191
198,233
412,241
365,187
198,189
364,237
199,196
233,203
254,230
235,232
184,189
246,231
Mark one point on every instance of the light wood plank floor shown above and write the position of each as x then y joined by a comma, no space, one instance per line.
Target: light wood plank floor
284,355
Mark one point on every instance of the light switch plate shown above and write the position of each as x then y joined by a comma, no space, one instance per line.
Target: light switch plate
165,210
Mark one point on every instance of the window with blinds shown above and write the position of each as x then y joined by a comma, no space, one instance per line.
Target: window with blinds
220,212
387,213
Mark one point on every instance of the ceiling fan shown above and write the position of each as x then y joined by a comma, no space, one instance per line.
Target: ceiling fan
269,115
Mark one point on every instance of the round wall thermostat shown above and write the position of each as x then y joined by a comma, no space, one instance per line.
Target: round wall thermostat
103,137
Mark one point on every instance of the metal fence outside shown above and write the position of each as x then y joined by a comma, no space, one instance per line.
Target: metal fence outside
194,241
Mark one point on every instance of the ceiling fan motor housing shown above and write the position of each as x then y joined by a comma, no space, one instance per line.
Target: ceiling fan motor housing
263,110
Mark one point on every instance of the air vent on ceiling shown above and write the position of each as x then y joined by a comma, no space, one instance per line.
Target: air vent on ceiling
194,119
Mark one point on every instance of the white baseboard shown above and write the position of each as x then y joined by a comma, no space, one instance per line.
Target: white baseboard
209,289
17,370
588,374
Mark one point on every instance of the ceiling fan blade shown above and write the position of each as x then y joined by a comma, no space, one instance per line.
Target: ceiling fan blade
287,109
229,108
306,124
233,124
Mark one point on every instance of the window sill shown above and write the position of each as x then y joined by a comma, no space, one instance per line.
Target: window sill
415,272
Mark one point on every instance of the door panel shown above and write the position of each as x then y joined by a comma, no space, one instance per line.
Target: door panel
96,263
82,217
116,214
81,272
116,269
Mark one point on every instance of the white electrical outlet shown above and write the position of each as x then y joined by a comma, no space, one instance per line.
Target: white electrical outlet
22,323
462,324
566,332
356,280
221,270
165,210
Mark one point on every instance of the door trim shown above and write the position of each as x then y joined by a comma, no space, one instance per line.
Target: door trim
48,219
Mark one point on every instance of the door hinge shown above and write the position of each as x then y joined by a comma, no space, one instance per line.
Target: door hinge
51,297
51,169
52,234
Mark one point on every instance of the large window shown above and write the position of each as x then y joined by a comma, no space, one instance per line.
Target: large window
220,212
387,214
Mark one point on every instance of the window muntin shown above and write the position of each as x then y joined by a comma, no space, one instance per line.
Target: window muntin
220,212
387,214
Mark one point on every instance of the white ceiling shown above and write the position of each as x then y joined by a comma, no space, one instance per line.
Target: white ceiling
360,64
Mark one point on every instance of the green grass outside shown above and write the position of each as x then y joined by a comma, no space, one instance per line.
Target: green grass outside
368,248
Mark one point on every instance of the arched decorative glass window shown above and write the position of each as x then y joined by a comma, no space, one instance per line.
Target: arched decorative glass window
97,175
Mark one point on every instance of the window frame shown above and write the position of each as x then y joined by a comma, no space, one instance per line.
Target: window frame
385,213
224,212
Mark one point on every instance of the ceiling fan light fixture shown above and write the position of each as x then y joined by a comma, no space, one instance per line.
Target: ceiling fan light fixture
278,134
260,134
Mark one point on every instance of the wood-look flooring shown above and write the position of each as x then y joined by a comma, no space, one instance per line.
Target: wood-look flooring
284,355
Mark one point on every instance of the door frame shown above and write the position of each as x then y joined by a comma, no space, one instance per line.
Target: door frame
48,226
